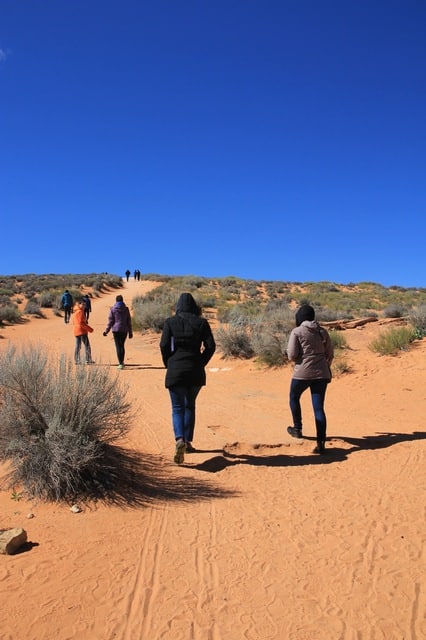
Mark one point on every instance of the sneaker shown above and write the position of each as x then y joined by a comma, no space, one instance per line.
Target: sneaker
320,448
120,366
189,448
295,432
180,452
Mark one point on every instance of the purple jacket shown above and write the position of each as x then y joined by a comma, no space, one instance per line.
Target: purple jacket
119,319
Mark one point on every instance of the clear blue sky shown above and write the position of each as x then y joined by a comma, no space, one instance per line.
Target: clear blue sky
276,140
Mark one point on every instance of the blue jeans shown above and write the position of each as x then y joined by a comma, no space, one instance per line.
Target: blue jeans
183,411
318,389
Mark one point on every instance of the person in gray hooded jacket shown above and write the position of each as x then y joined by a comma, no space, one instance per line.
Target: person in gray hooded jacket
310,348
186,345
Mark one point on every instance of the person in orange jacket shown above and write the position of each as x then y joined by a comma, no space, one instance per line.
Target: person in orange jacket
81,331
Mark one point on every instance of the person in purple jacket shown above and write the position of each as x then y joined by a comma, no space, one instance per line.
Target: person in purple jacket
120,323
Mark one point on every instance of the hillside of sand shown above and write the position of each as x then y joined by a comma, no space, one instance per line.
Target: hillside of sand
254,537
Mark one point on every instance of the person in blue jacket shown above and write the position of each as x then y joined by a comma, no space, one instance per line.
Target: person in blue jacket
67,303
120,323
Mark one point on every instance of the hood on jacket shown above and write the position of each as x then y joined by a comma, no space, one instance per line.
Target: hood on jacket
187,304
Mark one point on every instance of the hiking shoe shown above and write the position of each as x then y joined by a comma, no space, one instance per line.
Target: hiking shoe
189,448
120,366
320,448
180,452
295,432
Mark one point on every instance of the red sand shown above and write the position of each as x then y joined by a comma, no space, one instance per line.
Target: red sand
254,537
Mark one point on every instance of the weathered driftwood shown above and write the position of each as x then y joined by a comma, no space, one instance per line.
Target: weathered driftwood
348,324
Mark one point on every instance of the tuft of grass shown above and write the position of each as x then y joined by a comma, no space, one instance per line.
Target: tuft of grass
338,340
340,365
59,425
393,340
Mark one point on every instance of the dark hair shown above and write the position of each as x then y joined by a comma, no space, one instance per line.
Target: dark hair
306,312
119,298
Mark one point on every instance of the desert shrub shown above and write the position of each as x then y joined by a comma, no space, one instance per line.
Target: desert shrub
33,308
270,347
418,319
151,314
9,313
234,342
47,299
58,424
270,334
394,311
393,340
239,315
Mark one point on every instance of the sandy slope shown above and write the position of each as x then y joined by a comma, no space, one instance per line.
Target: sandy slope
255,538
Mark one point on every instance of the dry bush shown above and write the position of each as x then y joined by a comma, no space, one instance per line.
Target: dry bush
393,340
235,342
59,424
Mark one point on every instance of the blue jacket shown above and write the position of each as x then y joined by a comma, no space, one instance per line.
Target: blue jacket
67,300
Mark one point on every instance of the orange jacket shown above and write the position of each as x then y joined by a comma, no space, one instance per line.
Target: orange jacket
79,321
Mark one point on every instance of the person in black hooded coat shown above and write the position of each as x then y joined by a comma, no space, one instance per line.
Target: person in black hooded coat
186,345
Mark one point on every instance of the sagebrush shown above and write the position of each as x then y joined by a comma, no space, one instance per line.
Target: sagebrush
59,424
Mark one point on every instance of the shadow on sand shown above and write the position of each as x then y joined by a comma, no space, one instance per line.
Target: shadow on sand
334,454
133,479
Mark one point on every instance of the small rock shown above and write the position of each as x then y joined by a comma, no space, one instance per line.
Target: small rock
30,515
76,509
11,540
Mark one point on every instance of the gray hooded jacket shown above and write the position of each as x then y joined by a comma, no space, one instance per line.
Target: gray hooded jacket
310,347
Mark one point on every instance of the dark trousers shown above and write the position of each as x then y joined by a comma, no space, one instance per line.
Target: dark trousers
67,313
318,389
120,339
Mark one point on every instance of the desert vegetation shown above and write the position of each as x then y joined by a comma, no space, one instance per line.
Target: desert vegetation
254,319
59,425
29,294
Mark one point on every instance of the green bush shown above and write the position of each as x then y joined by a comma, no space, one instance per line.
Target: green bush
58,425
393,340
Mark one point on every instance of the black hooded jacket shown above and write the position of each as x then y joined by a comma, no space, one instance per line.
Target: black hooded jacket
186,345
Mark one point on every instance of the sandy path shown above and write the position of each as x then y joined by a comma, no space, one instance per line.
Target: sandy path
254,537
